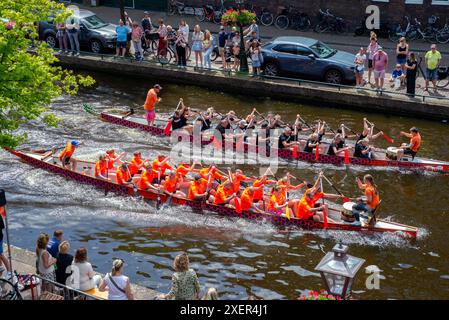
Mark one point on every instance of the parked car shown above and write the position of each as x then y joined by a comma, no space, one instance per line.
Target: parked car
95,34
306,58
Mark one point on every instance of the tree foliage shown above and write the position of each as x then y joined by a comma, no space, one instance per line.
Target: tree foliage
29,79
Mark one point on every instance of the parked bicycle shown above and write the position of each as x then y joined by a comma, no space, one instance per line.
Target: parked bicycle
331,23
178,7
293,18
209,13
10,290
429,33
263,16
443,34
397,32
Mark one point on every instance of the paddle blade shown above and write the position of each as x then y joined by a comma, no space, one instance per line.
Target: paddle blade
238,205
345,199
167,130
317,152
295,152
287,212
388,138
346,157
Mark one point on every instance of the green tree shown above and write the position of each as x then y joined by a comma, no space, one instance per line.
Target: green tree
29,79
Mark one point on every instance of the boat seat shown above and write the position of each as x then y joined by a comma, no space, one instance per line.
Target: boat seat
97,293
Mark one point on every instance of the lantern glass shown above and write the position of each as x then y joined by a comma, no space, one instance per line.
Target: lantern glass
336,284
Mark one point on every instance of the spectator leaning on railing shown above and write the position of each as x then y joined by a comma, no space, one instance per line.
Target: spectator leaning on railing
432,59
53,244
73,26
117,285
380,65
63,262
122,35
86,276
411,74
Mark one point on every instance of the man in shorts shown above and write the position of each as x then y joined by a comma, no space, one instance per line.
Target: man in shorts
222,37
380,64
433,59
122,37
150,104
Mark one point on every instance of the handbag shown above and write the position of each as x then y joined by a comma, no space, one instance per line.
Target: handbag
115,284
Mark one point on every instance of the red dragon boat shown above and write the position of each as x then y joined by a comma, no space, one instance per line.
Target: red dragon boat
84,173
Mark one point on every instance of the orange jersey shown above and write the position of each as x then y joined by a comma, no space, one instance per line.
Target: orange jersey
316,196
135,165
220,195
157,166
246,200
204,173
100,168
170,185
182,170
151,100
122,176
236,181
303,209
68,151
275,200
258,193
196,188
146,178
370,192
110,161
415,143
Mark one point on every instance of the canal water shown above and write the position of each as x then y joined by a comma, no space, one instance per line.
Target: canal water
239,258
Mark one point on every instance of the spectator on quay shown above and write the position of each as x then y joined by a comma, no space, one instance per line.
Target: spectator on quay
380,64
432,59
253,37
45,262
236,54
207,47
122,36
162,31
371,50
255,53
171,39
184,28
252,28
117,285
136,39
2,256
73,27
197,44
222,37
87,278
359,61
402,53
396,74
63,262
181,49
147,26
62,38
185,285
53,244
411,74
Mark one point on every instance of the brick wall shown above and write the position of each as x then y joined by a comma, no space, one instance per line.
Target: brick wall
352,10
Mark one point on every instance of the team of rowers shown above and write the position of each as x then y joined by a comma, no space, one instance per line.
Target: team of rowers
231,126
209,184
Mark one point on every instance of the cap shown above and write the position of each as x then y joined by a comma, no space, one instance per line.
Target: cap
157,86
379,48
75,143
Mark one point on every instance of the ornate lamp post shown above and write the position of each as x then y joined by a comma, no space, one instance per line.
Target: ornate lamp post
338,270
241,18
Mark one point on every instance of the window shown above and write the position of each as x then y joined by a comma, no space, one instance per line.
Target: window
413,1
440,2
322,50
286,48
94,22
304,51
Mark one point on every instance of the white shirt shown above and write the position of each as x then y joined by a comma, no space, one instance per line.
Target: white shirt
185,32
114,293
86,274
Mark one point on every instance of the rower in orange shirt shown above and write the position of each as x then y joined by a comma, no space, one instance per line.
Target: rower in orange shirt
247,200
197,189
111,158
413,147
238,177
303,209
150,104
137,163
212,170
371,201
223,195
160,164
276,201
101,168
66,154
146,178
123,176
258,185
171,185
184,168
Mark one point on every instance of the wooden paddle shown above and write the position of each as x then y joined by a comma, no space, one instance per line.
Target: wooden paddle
167,130
324,210
345,199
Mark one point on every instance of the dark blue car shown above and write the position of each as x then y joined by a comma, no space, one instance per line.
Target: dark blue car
306,58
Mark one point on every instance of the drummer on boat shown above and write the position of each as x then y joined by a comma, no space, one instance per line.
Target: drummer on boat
150,104
66,155
413,147
371,200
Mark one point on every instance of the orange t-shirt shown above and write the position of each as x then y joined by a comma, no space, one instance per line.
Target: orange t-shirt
170,185
371,192
258,194
275,200
316,196
415,143
246,200
220,196
236,181
135,165
157,166
145,179
100,168
122,176
303,209
151,100
109,160
215,174
182,170
68,151
196,188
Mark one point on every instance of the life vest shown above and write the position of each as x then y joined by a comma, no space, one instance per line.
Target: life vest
68,151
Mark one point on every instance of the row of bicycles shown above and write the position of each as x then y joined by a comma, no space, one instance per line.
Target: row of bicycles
415,30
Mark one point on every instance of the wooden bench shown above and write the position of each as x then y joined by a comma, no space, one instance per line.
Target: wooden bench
97,293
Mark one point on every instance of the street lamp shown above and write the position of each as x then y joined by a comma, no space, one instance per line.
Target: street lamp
243,60
338,270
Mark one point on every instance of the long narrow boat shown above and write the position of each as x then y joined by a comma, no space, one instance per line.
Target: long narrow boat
84,174
380,156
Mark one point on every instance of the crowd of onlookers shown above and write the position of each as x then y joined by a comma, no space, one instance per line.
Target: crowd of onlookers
404,71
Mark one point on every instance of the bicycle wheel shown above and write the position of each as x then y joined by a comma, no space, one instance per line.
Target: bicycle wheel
154,45
200,15
282,22
8,291
172,9
165,59
321,27
443,36
217,17
266,19
443,83
304,24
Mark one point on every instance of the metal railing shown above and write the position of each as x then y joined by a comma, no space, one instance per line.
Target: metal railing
297,81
